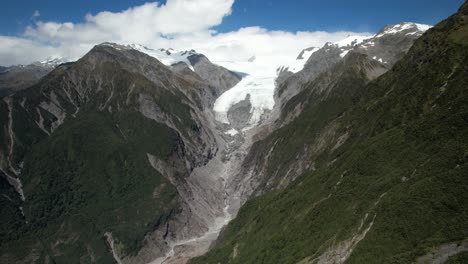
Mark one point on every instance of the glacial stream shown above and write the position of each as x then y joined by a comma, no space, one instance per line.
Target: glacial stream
182,250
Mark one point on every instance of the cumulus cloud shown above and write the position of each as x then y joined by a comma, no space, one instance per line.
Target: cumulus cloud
140,24
180,24
21,51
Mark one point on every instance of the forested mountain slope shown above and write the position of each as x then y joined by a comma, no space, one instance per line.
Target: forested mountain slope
382,165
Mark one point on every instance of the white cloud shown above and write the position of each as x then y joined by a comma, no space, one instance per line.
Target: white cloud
271,48
140,24
180,24
21,51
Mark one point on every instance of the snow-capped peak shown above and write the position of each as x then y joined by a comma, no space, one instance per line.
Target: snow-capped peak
365,42
408,27
166,56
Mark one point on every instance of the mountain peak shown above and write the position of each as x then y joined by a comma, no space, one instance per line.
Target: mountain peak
408,28
168,57
405,31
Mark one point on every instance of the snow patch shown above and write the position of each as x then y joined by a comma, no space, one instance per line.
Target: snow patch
232,132
352,41
167,57
54,61
300,61
423,27
343,54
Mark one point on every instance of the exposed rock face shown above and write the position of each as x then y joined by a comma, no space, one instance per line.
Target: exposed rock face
239,114
443,253
217,76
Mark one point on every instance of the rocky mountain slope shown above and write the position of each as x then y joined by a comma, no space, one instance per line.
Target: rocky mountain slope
386,47
216,75
18,77
370,170
99,153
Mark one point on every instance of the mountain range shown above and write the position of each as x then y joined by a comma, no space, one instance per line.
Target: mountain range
354,153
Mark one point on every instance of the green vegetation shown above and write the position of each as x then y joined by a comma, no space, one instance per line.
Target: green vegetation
315,117
404,166
92,175
460,258
10,215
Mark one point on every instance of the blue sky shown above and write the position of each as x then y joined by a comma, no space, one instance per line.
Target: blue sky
332,15
224,30
295,15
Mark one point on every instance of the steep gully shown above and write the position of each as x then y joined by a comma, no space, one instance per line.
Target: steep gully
219,176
